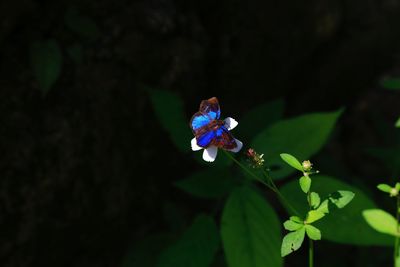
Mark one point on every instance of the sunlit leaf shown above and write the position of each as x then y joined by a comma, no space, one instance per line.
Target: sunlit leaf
209,183
292,225
313,232
196,247
302,136
315,200
46,60
251,231
381,221
292,161
292,241
305,183
314,215
344,225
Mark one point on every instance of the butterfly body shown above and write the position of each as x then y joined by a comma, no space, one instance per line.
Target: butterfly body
208,129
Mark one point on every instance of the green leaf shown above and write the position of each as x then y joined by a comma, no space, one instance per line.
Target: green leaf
292,161
84,26
336,226
324,207
397,124
381,221
314,215
143,253
315,200
313,232
258,118
397,186
341,198
46,60
209,183
196,247
302,136
292,226
292,242
391,83
296,219
384,187
168,108
305,183
250,231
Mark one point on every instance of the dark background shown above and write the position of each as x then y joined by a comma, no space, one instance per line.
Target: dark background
86,169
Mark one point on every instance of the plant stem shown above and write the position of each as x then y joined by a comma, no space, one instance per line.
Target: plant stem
396,240
310,253
310,241
271,185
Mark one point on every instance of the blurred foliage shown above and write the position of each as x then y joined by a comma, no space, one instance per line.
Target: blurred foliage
46,60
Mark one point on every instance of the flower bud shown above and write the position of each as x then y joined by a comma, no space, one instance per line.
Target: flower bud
307,165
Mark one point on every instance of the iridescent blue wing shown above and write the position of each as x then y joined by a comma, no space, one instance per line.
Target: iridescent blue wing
224,139
211,108
205,138
199,120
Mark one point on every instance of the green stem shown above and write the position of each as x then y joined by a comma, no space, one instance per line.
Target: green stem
271,185
396,240
310,253
310,241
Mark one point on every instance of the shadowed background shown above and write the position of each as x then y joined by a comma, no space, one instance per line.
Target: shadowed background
87,169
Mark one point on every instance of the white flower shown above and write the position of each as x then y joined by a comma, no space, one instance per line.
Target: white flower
210,153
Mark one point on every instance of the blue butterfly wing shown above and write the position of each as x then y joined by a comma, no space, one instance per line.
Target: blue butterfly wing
206,138
224,139
211,108
199,120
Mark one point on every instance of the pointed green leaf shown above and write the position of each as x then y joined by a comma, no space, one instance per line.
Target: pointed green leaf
313,232
305,183
384,187
302,136
292,161
46,60
250,231
315,200
335,226
381,221
84,26
292,226
197,246
209,183
292,241
314,215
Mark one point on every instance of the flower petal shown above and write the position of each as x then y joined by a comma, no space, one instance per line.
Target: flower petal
230,123
238,147
195,146
210,153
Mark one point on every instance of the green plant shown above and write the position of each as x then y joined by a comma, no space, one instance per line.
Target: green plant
384,222
300,226
250,228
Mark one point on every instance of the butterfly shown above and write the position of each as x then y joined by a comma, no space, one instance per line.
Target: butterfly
211,132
